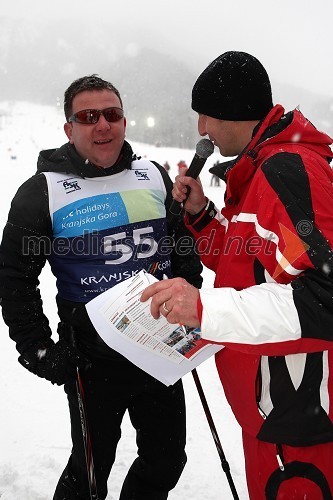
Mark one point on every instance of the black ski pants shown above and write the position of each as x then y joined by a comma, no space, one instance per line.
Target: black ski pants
157,413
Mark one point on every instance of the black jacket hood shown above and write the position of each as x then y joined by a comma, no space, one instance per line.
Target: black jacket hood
67,160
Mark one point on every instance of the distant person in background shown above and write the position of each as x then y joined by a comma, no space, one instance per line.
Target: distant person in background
214,180
271,250
97,213
166,166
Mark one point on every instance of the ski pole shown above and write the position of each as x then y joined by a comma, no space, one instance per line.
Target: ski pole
85,430
86,439
224,463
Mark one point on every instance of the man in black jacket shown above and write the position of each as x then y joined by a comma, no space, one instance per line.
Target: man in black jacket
99,215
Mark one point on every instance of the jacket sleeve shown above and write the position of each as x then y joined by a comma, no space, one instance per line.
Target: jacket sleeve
271,319
185,261
293,311
23,251
208,228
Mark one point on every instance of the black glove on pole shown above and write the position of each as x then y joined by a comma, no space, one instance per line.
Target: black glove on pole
56,362
85,430
224,463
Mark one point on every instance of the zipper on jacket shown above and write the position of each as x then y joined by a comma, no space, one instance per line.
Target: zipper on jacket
279,456
258,386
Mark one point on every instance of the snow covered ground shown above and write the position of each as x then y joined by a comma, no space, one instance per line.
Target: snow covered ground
34,433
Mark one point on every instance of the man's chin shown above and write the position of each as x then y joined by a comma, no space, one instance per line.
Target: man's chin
105,162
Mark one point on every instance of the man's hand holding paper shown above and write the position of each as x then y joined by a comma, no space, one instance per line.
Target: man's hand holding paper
157,344
175,299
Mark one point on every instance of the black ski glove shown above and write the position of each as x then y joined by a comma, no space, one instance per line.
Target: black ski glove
56,362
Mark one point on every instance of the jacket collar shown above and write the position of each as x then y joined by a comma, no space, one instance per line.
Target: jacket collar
66,160
275,129
258,136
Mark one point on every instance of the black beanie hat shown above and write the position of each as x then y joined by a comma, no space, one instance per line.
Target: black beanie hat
235,87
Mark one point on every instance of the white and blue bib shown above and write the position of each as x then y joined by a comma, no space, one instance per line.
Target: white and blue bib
106,229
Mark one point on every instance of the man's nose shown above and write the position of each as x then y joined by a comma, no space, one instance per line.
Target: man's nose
202,125
102,123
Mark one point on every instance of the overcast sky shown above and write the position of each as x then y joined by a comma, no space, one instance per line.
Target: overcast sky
292,38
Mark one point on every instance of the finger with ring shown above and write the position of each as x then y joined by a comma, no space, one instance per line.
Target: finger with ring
165,308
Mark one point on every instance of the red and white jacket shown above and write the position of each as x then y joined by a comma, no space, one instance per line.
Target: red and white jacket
272,305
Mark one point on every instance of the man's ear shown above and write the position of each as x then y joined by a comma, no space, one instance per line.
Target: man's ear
68,128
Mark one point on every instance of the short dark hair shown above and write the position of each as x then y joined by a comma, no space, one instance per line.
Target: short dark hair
90,82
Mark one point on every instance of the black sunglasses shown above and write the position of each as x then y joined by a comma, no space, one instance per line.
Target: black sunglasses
91,116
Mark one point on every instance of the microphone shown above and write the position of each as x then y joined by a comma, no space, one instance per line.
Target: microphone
204,148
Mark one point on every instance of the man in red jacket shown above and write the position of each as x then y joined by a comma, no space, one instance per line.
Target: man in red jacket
272,302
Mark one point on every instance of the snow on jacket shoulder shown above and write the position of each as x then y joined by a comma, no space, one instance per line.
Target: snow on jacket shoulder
272,305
